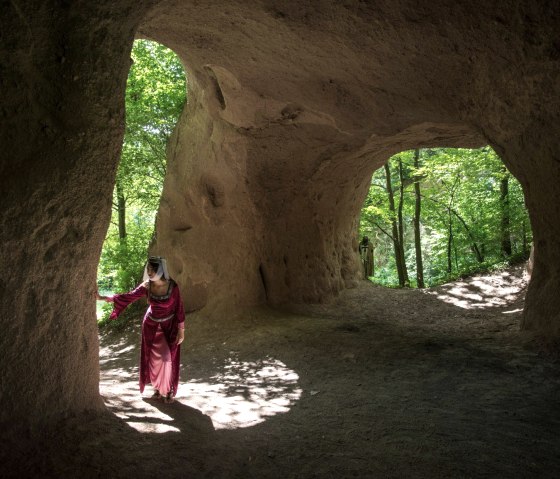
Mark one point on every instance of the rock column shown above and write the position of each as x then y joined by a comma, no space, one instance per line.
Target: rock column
64,69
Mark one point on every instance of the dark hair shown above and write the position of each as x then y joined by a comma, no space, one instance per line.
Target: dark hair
154,265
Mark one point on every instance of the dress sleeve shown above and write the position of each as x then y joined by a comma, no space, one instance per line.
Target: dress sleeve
121,301
180,309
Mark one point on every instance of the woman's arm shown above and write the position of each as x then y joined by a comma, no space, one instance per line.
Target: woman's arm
181,333
107,299
121,301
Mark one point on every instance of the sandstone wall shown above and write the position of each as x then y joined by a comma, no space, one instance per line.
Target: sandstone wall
292,105
63,74
314,97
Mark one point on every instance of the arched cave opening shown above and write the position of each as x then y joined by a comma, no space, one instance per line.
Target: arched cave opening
436,215
154,100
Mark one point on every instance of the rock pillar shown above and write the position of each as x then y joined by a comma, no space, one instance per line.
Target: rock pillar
539,172
64,69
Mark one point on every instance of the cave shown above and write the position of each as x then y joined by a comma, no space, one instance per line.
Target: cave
292,106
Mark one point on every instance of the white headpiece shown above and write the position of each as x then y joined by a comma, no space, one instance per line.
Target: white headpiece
161,271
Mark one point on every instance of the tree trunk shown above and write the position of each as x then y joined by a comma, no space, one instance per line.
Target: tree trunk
505,223
401,225
449,245
121,210
395,235
417,209
450,239
524,237
373,259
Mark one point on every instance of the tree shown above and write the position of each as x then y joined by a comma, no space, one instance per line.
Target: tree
397,228
406,281
417,211
155,95
472,215
504,202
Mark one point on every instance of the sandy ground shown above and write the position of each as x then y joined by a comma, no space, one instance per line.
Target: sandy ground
382,383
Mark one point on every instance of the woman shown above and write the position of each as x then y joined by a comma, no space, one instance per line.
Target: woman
162,329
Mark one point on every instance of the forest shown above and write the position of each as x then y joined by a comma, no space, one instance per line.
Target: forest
434,215
155,96
430,215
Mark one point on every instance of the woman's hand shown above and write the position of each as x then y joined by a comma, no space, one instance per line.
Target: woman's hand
180,336
107,299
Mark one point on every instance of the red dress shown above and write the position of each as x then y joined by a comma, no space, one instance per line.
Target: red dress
163,319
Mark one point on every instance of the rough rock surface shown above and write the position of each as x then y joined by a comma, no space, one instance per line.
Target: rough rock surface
63,73
380,383
292,105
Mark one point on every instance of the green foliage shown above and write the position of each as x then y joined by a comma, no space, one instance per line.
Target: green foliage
461,195
122,260
129,315
155,95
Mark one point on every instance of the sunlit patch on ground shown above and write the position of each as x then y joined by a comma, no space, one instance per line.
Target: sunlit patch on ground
123,398
244,393
241,394
119,388
480,292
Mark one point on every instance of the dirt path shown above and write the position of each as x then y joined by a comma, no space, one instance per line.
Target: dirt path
381,383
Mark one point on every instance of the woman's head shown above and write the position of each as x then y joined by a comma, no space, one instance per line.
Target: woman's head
155,269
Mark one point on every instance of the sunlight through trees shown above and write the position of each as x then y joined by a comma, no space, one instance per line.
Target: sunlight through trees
155,95
434,215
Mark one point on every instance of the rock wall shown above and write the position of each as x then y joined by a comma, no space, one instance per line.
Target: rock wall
314,96
63,74
292,105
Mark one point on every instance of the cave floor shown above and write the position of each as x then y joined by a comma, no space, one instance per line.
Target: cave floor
384,383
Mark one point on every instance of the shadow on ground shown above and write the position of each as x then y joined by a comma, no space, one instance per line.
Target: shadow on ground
380,383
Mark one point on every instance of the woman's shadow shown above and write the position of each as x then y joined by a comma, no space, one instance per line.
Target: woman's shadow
184,418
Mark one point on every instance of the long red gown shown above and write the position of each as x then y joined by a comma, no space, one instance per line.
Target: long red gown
160,307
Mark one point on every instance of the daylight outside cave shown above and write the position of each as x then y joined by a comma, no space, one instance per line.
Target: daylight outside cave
155,97
242,394
435,215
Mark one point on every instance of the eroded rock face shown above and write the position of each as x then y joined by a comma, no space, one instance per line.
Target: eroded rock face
62,77
292,105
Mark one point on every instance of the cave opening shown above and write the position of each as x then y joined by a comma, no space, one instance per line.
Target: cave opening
436,215
155,98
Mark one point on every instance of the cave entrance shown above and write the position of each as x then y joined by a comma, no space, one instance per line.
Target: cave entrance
155,96
438,214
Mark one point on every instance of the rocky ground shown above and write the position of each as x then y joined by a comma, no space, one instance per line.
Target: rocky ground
384,383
